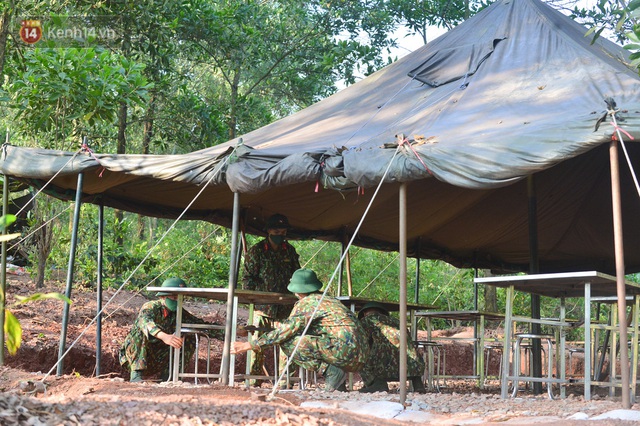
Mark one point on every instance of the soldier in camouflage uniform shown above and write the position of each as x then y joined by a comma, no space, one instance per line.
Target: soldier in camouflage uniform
335,342
146,348
383,332
268,266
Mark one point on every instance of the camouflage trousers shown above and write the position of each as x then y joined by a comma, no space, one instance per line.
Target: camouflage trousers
386,366
315,353
152,355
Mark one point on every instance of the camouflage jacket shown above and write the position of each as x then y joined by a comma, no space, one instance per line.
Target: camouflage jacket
384,338
266,269
334,324
153,318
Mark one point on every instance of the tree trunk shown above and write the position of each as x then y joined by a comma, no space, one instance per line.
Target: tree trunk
490,295
5,26
147,135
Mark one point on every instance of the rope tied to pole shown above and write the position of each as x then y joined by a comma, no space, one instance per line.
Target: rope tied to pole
617,136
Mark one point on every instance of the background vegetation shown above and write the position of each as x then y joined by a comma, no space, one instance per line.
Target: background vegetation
179,76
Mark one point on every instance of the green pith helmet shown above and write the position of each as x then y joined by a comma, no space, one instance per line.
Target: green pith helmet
304,281
277,221
171,282
372,305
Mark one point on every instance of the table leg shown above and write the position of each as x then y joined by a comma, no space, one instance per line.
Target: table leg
613,349
234,324
479,351
587,342
249,353
561,364
634,348
178,332
506,350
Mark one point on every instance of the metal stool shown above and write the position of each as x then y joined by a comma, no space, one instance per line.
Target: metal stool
516,361
488,350
435,360
198,334
571,351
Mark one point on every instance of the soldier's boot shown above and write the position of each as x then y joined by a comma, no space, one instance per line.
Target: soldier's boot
135,376
164,376
417,384
378,385
334,378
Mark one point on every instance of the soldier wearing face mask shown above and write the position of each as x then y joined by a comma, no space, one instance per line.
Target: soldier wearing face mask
268,266
146,348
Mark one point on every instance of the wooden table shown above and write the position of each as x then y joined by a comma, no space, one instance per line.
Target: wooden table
249,297
479,318
586,284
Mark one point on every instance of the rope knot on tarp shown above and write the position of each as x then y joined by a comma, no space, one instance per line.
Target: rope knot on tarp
404,141
84,147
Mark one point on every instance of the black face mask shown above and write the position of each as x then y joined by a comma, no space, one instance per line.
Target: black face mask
276,239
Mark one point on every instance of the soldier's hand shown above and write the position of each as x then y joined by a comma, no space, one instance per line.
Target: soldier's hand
240,347
170,339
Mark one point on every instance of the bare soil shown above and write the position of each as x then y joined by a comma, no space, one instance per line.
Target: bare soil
31,391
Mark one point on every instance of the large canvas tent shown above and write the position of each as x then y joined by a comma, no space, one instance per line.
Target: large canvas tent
506,108
515,91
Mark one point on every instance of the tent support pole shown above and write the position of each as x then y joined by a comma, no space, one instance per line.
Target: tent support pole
414,319
3,273
403,290
233,280
348,267
99,288
620,275
343,246
534,268
72,260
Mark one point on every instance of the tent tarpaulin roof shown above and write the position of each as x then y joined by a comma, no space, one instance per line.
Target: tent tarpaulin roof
515,91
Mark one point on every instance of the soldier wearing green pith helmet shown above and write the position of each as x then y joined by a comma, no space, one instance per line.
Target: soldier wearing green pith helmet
335,342
146,348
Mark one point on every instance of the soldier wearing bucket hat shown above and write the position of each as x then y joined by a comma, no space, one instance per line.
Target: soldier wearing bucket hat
384,340
268,266
335,342
146,348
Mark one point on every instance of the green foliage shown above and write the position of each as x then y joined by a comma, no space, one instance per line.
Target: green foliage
67,93
613,18
12,332
12,327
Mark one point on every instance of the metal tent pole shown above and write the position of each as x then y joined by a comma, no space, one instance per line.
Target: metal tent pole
534,268
620,275
3,273
72,259
233,279
403,290
99,288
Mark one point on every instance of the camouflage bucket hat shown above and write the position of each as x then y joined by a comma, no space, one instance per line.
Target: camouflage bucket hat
171,282
372,305
304,281
277,221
